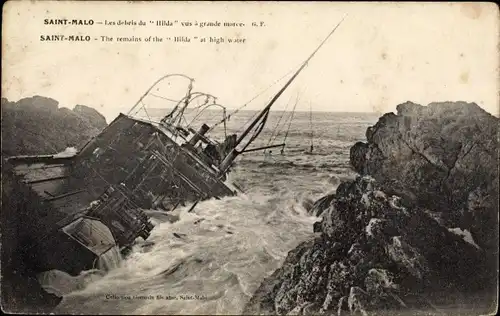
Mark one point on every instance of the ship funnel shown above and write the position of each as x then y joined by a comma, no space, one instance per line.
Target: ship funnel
197,136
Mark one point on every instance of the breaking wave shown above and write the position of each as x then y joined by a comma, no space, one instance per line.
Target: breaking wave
216,255
211,260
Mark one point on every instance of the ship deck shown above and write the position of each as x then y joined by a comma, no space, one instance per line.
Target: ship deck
179,139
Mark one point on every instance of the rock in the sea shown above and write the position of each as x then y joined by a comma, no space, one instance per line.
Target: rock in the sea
321,205
37,125
443,157
374,255
90,115
39,102
393,240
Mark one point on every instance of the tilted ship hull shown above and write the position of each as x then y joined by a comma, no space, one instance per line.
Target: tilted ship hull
69,213
75,209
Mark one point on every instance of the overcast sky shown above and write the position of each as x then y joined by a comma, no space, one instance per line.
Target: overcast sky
381,55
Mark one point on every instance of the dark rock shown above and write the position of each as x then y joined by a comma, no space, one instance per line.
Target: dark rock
443,157
321,205
31,126
36,125
38,102
22,293
377,253
179,235
385,241
90,115
358,154
263,300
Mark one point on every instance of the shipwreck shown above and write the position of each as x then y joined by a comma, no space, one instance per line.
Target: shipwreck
68,212
78,207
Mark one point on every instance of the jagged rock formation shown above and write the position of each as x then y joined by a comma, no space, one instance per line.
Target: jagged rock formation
379,249
322,204
36,125
444,157
374,255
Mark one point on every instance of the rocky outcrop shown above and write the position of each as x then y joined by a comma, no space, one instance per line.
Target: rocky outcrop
444,157
322,204
36,125
382,246
91,116
372,254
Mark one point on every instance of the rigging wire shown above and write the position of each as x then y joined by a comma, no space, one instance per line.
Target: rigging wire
252,117
155,83
255,97
180,115
257,131
206,107
144,107
185,99
303,65
291,115
311,126
265,112
290,123
248,121
164,98
277,134
271,139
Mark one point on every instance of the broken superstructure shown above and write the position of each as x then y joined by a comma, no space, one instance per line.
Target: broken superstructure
70,212
78,207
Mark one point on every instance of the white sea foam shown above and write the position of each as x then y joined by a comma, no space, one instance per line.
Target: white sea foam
210,261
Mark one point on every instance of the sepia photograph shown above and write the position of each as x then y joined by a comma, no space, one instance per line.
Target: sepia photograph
250,158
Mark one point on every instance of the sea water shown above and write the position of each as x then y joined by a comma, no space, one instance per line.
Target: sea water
211,260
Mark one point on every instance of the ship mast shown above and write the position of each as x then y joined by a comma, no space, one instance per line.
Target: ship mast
262,117
311,127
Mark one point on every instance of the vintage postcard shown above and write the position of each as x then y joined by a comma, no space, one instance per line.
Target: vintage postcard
291,158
